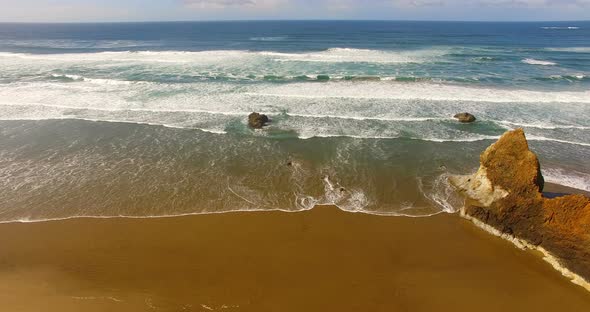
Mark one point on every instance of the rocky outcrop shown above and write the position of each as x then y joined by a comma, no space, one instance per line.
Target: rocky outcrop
465,117
257,121
506,195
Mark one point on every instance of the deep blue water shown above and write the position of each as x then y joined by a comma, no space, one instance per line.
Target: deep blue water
542,54
300,36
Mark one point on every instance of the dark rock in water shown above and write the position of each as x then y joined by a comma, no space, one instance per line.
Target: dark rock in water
465,117
257,121
506,195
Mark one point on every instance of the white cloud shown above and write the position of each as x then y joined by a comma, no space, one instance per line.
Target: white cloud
533,3
229,4
137,10
58,11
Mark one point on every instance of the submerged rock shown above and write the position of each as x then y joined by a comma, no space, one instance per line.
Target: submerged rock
257,121
506,195
465,117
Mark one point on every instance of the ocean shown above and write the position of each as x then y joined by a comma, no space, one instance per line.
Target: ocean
150,119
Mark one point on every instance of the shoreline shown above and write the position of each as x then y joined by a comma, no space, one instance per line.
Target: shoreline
312,260
551,188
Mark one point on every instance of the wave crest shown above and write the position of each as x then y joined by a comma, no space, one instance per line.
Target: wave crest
561,27
538,62
332,55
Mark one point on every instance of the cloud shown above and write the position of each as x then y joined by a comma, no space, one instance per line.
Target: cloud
233,4
217,4
59,11
419,3
534,3
156,10
437,3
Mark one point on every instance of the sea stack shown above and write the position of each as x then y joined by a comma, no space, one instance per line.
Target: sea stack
465,117
257,121
505,197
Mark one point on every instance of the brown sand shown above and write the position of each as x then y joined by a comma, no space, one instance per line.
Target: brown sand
319,260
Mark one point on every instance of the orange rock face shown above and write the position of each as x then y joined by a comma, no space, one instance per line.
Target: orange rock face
567,232
560,225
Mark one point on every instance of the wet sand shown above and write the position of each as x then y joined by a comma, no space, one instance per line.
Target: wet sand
319,260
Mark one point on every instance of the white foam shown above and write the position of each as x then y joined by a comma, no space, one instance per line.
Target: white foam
569,178
340,55
571,49
277,38
352,200
441,193
568,77
73,77
334,55
538,62
367,118
78,44
382,110
561,27
419,91
540,138
548,126
97,80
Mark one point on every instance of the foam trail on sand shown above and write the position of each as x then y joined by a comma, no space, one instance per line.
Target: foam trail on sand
441,193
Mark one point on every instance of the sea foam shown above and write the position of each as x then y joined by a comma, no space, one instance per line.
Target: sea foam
569,178
561,27
332,55
421,91
538,62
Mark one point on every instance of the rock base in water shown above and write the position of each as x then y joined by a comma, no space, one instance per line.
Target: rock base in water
257,121
506,195
465,117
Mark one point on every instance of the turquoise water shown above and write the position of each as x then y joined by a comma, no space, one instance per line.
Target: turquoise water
362,110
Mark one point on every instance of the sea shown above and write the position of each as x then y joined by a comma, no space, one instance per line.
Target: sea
150,119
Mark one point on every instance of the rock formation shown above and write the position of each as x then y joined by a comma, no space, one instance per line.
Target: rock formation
257,121
505,195
465,117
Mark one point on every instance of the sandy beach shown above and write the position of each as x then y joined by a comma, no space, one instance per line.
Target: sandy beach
319,260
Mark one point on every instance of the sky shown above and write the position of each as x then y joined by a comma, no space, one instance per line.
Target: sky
176,10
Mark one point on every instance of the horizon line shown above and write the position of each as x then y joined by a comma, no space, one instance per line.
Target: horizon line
294,20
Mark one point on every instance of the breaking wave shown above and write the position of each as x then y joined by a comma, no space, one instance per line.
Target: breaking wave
277,38
538,62
333,55
561,27
422,91
95,80
570,49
